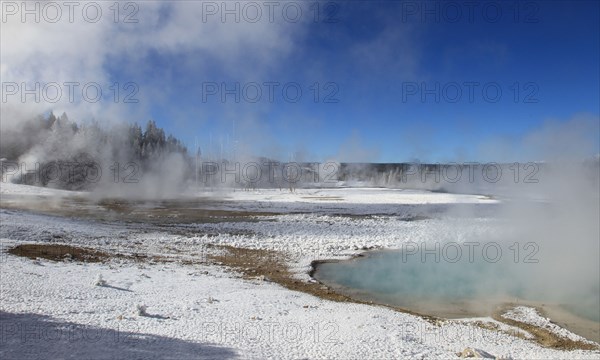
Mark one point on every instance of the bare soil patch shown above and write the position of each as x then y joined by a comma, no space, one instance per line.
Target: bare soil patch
62,252
59,253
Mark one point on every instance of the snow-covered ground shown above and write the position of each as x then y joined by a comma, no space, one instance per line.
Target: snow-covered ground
57,310
531,316
8,188
357,201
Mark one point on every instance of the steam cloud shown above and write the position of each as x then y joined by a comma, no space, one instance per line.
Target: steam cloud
548,232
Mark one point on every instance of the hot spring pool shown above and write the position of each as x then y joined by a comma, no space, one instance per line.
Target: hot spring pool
464,288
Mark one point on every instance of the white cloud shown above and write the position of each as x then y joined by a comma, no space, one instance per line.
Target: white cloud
80,51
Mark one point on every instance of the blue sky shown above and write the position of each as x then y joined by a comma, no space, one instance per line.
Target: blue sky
546,63
374,60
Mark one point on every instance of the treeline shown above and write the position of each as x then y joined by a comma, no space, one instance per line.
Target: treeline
151,144
55,151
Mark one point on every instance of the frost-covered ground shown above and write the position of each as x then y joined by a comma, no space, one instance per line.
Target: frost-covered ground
531,316
57,310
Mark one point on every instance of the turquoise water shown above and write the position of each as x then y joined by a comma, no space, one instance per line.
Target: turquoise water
466,287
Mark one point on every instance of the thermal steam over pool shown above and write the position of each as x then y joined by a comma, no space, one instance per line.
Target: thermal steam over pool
452,286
